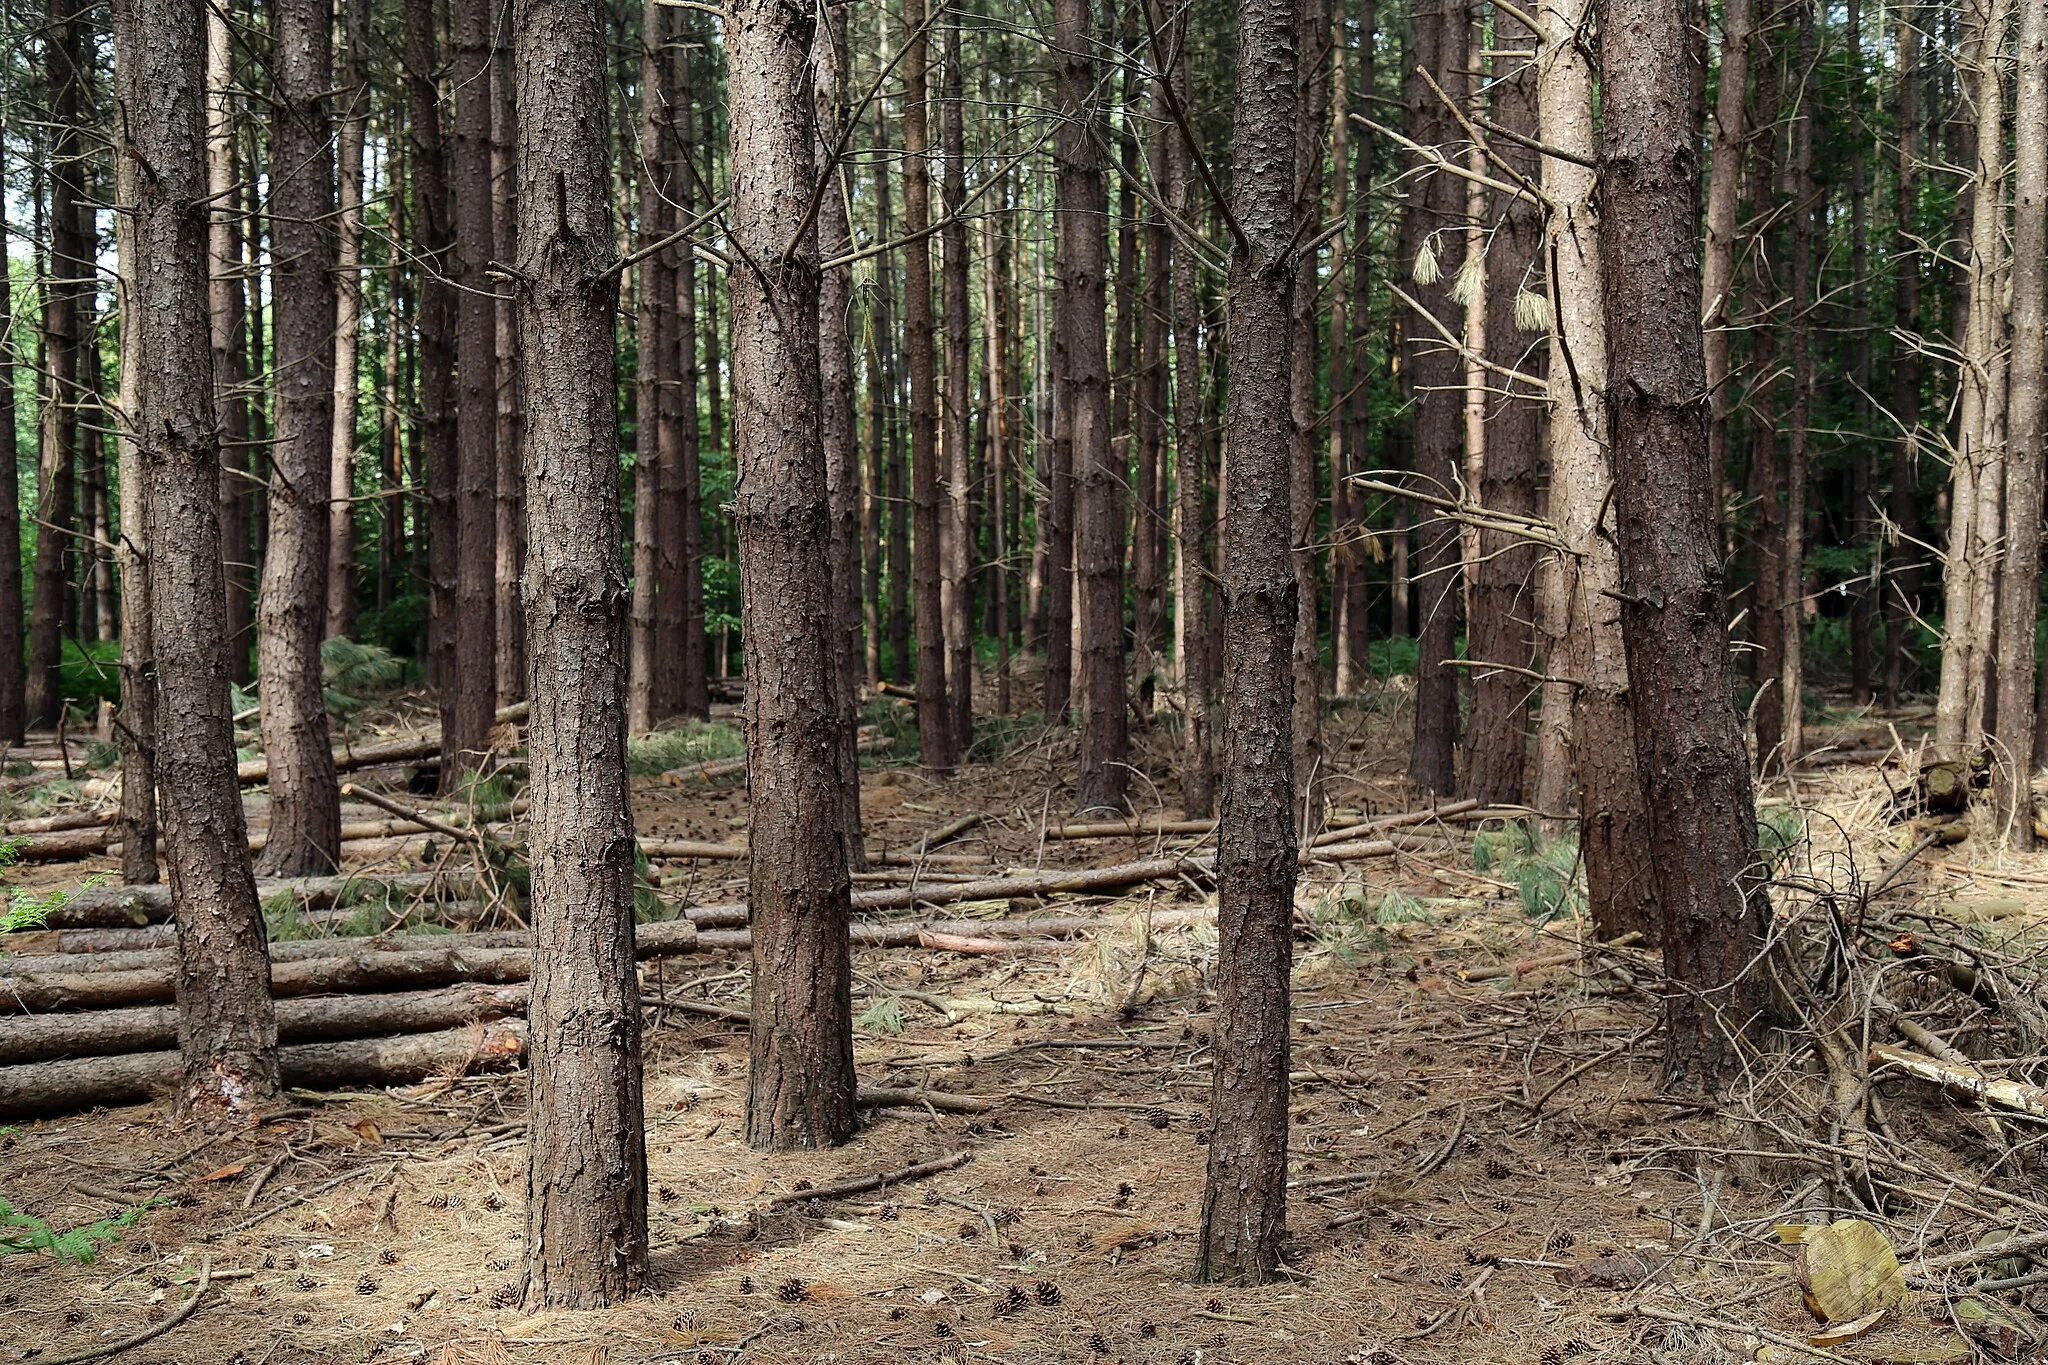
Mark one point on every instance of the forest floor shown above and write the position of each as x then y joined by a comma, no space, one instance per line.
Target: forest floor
1485,1166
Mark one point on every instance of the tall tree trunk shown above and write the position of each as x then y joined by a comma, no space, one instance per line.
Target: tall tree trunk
653,309
829,62
956,536
879,397
1689,747
1504,583
1312,50
1345,248
2020,595
1191,506
354,97
800,1084
934,712
1976,477
1862,457
511,501
305,804
1358,407
13,663
136,726
1586,692
998,318
679,608
1761,401
1791,624
1154,312
227,1030
586,1172
1244,1198
469,695
1724,202
434,454
226,302
1434,254
66,308
1902,575
1080,268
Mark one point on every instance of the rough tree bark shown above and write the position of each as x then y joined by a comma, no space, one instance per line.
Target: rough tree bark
341,513
1312,44
1080,267
136,733
1724,200
679,609
1504,581
586,1174
434,460
956,541
13,662
934,714
511,499
654,346
305,804
469,695
227,1029
1902,576
1244,1199
800,1086
1689,745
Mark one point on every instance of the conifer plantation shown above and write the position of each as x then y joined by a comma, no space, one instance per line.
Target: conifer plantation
761,681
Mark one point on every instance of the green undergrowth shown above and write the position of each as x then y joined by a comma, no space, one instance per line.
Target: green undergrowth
1544,872
24,1234
690,742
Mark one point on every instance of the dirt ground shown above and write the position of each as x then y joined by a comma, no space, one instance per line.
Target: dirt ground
1477,1109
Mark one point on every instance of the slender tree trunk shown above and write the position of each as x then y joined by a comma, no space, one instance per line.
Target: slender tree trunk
1862,518
800,1084
1312,47
934,712
1761,401
1902,576
66,309
1345,247
390,449
998,315
829,62
510,496
1504,593
1724,202
305,804
956,536
1435,259
226,302
653,307
1081,267
1154,312
879,396
354,99
136,723
2020,595
586,1173
1587,691
679,610
435,451
1976,477
13,663
1358,408
227,1030
1191,507
897,486
1689,746
1791,625
1244,1199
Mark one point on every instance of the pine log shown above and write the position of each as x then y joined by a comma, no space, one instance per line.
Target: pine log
82,1083
1036,884
349,758
91,1033
113,906
51,824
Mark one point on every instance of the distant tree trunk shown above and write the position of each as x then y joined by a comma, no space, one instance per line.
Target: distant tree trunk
1191,506
341,512
1504,583
136,723
1791,624
1689,746
1976,476
1902,574
433,245
586,1172
1364,219
829,61
896,483
1724,202
879,396
2020,595
1244,1199
1154,313
305,804
469,695
654,344
800,1083
13,664
1081,268
66,309
934,712
1000,314
679,609
511,500
1437,376
1311,47
1345,250
227,1030
956,537
1587,691
226,302
1862,518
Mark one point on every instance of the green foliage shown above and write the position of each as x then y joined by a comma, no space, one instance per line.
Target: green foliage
892,727
1398,907
1393,655
691,742
32,910
1544,872
994,735
24,1233
1780,830
399,627
91,673
349,668
284,918
884,1015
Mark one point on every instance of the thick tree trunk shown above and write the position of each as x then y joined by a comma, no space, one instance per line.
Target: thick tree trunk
1244,1199
1504,591
586,1157
829,62
956,540
1587,692
13,663
227,1030
305,808
469,694
1080,267
1689,746
67,305
2020,595
354,98
800,1084
1437,377
136,724
934,712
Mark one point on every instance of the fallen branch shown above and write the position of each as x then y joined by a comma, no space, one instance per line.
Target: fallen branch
349,758
151,1332
1035,884
839,1189
1965,1080
109,906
